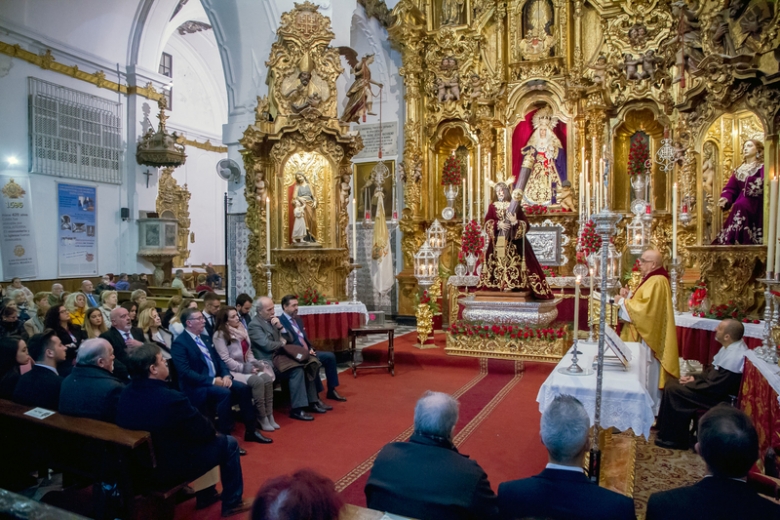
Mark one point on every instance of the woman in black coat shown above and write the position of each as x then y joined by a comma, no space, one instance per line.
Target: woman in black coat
58,319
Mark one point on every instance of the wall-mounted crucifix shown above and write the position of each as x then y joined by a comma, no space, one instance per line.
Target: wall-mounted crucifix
148,174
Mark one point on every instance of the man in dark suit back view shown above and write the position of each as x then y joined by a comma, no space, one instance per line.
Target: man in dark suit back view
728,443
40,386
562,491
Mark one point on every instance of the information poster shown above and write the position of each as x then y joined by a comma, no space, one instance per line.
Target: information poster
77,237
16,220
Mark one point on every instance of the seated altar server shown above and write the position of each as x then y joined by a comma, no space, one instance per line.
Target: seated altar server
649,314
728,443
562,491
681,400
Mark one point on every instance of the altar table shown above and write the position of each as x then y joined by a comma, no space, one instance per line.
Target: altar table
759,399
696,337
625,401
327,326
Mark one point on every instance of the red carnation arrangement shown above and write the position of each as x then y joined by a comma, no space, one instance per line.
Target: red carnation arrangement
726,310
451,174
638,157
548,271
535,209
589,241
509,332
635,267
312,297
472,240
698,296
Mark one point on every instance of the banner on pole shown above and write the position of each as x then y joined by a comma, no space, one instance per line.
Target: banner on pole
77,236
16,219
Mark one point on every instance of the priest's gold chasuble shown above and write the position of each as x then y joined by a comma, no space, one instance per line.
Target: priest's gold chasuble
652,321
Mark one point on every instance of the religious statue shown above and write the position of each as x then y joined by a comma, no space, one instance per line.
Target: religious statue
688,38
345,188
306,90
448,81
303,194
476,87
175,199
566,197
451,11
599,70
648,64
542,158
510,262
630,67
720,36
359,95
538,37
299,232
744,196
637,35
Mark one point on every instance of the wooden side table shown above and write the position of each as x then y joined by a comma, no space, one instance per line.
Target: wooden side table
367,331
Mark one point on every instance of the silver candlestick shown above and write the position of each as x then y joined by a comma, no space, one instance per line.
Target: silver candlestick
677,271
768,346
353,274
268,279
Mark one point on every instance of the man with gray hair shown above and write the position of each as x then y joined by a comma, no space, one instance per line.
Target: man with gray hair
91,390
565,429
57,289
427,478
178,283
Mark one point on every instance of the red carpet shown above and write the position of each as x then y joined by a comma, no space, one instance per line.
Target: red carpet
497,411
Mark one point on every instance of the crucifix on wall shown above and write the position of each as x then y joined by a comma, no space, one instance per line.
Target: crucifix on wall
148,174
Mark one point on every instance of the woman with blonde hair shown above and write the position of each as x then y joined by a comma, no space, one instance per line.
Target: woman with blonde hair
149,322
76,303
175,326
94,324
108,300
139,298
231,341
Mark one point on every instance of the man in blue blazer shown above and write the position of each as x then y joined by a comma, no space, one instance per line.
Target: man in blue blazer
293,325
205,379
565,427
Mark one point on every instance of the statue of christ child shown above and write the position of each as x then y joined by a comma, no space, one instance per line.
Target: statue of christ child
510,262
299,227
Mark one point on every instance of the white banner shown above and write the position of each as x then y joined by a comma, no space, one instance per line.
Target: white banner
17,241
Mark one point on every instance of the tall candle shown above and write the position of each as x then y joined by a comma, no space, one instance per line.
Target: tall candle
590,295
470,189
776,237
577,282
478,181
486,195
463,198
771,241
354,230
674,221
587,201
268,231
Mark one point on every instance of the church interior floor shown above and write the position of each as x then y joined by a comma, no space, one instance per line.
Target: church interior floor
498,427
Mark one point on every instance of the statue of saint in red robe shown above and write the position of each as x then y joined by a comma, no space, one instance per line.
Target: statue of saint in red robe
510,262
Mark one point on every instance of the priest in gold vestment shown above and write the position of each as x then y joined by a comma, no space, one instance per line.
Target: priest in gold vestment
649,314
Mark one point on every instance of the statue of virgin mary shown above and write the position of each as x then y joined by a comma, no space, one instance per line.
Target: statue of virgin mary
542,154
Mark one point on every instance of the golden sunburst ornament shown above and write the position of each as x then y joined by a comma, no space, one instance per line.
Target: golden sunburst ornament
12,190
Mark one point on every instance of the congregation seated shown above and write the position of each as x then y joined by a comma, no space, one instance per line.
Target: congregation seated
231,341
16,285
132,309
205,379
244,308
203,286
151,326
106,284
304,495
178,283
728,443
139,298
10,325
122,336
122,284
138,282
185,443
40,387
58,319
88,290
108,302
691,395
211,306
57,290
13,356
35,324
91,390
76,303
20,300
565,432
173,307
94,324
426,477
175,326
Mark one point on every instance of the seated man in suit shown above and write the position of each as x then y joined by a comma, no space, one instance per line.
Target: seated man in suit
243,307
88,289
41,385
211,305
728,443
185,443
267,337
91,390
293,324
427,478
562,491
681,400
122,336
205,379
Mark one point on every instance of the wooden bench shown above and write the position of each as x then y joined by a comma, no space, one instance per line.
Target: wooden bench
163,291
95,450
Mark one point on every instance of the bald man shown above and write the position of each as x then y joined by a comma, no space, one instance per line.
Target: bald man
649,314
683,398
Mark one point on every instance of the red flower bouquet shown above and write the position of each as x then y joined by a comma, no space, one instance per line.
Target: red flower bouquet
451,172
472,240
589,241
312,297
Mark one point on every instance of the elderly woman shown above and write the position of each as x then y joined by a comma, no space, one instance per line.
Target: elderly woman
35,324
76,303
175,326
20,299
108,299
94,324
139,298
231,342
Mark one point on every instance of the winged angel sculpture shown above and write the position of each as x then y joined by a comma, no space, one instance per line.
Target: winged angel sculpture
359,95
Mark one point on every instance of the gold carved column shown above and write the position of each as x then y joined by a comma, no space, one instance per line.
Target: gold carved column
174,200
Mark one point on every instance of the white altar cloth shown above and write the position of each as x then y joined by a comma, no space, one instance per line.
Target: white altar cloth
625,401
336,308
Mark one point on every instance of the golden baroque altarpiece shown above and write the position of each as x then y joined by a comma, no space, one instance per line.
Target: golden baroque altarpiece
297,155
704,74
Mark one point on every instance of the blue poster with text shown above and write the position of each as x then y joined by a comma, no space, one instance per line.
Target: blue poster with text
77,237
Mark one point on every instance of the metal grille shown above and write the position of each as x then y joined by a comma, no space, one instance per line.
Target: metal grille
74,135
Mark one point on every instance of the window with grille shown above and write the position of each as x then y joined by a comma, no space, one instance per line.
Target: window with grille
73,134
166,69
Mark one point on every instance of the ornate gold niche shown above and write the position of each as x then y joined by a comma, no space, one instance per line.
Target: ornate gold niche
174,201
297,129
